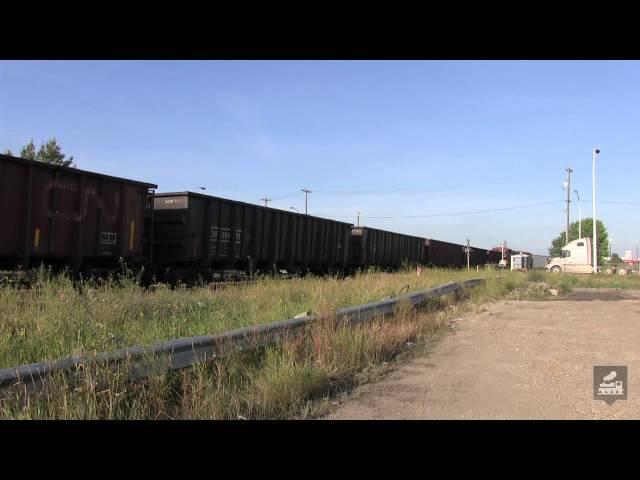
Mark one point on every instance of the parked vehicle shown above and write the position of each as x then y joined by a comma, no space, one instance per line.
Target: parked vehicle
577,257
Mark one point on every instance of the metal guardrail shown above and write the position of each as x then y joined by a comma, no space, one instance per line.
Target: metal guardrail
181,353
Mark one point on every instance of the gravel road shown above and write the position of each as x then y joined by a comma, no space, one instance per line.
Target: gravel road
516,360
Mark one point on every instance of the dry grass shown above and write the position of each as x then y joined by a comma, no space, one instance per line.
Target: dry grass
57,319
294,378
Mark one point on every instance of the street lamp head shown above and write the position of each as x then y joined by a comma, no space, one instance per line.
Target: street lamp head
597,150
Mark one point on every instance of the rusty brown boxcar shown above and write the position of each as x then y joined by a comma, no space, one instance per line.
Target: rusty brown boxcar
193,231
66,216
371,247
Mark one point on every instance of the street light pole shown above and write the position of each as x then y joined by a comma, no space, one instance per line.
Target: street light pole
579,215
595,221
358,219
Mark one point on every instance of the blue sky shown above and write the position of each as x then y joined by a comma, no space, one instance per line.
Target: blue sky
387,138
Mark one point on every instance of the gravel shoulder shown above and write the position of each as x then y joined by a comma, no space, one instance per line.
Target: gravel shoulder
516,360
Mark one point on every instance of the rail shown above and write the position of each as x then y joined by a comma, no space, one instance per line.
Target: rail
181,353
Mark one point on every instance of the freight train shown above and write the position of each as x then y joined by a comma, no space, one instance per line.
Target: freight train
90,223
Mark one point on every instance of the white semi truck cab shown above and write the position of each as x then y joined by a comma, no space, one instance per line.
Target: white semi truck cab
577,257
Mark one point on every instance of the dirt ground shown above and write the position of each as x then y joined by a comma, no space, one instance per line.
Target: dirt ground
516,360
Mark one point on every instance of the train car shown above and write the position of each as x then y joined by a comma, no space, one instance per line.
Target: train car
210,235
496,256
540,261
69,217
478,256
438,253
371,247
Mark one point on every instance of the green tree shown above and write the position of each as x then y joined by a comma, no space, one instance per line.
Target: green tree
49,152
28,151
587,231
8,152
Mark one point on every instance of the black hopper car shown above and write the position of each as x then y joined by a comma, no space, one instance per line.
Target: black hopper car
215,237
89,222
371,247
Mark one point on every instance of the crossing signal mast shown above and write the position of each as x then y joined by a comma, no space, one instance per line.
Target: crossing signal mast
503,262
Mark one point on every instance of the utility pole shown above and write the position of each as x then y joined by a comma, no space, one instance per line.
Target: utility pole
468,252
358,220
266,200
568,169
306,195
610,246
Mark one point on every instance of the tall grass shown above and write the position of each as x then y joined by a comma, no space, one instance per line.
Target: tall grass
295,378
59,318
291,379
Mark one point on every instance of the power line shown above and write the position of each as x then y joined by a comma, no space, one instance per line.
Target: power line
470,212
408,190
619,203
285,197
